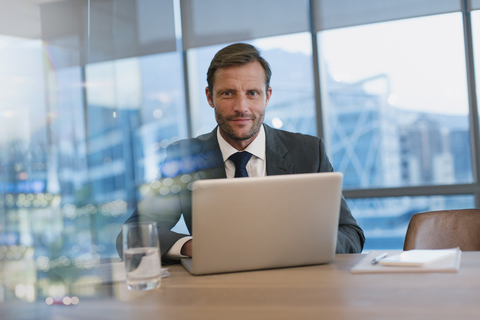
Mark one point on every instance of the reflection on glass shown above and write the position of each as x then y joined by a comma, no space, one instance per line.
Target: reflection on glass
385,220
396,102
78,145
291,107
476,49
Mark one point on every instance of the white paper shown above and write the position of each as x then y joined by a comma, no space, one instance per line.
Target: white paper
418,258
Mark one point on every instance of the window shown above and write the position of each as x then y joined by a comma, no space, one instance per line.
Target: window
396,102
476,48
385,220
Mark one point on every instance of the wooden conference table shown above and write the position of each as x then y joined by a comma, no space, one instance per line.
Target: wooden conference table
314,292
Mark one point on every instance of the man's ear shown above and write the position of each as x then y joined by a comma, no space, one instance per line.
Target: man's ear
209,95
268,95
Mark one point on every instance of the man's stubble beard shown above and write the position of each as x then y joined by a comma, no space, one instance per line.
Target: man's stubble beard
230,131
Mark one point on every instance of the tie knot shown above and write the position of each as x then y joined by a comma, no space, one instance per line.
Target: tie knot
240,159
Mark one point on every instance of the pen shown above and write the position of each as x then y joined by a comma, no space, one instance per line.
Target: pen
379,257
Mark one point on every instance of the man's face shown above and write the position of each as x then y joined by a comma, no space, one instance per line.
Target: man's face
239,98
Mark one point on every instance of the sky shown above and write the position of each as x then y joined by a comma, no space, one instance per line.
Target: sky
424,58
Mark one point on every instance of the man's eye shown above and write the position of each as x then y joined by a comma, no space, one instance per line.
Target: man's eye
253,93
227,94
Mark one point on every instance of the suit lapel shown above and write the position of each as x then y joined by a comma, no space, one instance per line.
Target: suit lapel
212,155
275,152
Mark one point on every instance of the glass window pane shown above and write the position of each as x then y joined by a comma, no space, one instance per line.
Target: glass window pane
78,148
78,143
292,104
24,152
476,49
163,113
135,109
395,97
385,220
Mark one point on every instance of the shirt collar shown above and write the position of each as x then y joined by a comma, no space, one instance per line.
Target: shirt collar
257,147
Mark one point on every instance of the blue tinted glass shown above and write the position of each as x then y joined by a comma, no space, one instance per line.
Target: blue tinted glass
476,49
385,220
395,102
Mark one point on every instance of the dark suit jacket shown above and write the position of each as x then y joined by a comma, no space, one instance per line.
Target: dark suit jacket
201,158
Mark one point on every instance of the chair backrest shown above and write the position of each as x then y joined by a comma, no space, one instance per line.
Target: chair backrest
444,229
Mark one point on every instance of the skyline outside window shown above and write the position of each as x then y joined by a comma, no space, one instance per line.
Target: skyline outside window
396,108
396,114
385,220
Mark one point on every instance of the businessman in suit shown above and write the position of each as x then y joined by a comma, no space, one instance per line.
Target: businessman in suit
241,145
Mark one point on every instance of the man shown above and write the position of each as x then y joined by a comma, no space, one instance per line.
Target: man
239,91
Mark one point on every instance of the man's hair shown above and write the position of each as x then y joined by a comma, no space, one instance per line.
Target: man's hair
237,54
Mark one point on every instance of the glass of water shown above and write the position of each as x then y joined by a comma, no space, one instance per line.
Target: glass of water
141,253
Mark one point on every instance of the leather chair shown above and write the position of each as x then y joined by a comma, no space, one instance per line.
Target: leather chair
444,229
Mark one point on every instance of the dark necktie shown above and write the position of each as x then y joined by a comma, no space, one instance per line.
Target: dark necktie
240,159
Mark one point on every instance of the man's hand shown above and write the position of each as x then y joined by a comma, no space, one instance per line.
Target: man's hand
187,249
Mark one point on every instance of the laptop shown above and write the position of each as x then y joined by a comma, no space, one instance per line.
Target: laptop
264,222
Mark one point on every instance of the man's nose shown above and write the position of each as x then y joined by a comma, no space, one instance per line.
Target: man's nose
241,104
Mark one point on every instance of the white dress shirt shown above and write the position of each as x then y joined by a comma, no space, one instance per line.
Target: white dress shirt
256,167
